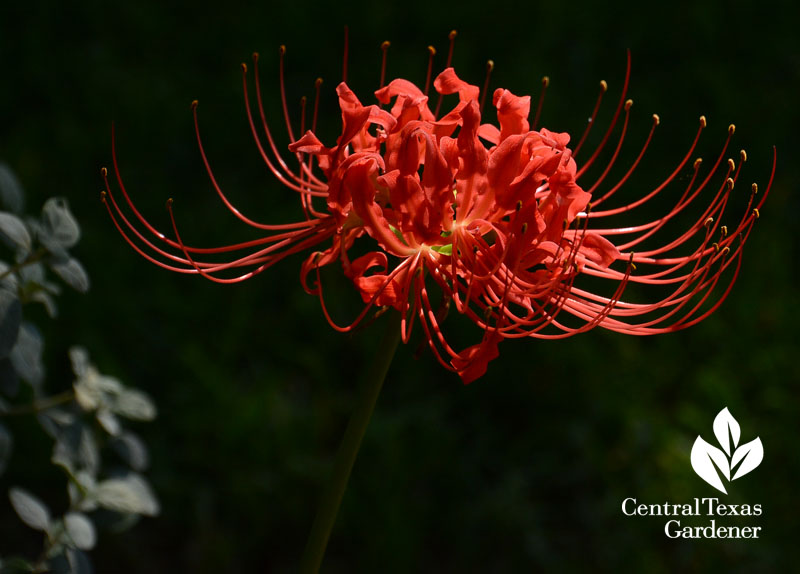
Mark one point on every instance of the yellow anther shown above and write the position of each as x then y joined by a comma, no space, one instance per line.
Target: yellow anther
754,188
729,182
524,227
743,155
756,213
452,34
725,251
545,81
431,50
716,247
708,221
489,65
656,119
697,163
194,104
628,105
731,164
103,196
169,203
603,85
244,67
731,129
723,231
282,50
104,172
255,56
519,205
703,122
385,44
317,82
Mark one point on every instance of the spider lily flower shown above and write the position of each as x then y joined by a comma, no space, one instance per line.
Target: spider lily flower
498,220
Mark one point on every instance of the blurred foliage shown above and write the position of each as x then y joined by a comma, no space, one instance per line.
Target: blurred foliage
524,470
83,421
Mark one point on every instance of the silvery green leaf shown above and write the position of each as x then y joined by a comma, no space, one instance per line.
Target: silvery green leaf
14,232
109,421
76,448
30,509
80,530
9,280
59,227
26,356
73,274
54,420
88,396
134,404
47,300
79,358
10,321
726,426
751,455
6,444
80,491
11,194
128,494
132,450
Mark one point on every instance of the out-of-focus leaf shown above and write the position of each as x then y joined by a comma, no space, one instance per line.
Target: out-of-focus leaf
6,444
12,196
109,421
80,361
14,232
30,509
128,494
134,404
76,449
26,356
132,450
59,229
80,491
54,420
10,321
80,530
47,300
73,274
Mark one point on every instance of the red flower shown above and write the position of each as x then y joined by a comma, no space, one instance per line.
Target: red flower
499,221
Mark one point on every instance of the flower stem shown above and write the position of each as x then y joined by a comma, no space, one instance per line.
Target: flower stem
348,449
39,406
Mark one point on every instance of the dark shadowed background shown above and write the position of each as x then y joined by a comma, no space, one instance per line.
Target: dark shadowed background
523,470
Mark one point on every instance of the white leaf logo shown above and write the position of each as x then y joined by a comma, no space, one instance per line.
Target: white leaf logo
709,461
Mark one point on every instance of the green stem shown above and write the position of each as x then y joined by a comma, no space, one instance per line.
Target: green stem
39,406
29,260
348,449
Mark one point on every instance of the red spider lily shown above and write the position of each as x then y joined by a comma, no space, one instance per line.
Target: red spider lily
498,220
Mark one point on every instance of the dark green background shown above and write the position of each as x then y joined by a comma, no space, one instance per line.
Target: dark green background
524,470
